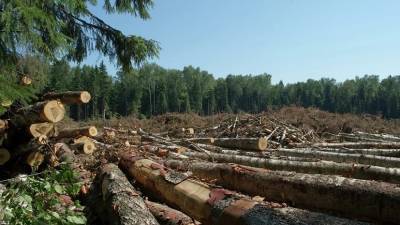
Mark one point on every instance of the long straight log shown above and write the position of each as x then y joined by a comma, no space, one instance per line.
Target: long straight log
168,216
358,171
119,203
251,144
217,206
89,131
343,196
86,147
367,151
48,111
69,97
355,145
341,157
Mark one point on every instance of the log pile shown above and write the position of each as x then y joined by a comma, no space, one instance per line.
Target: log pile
28,134
248,170
258,179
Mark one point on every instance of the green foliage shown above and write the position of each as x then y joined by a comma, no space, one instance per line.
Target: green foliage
55,29
39,200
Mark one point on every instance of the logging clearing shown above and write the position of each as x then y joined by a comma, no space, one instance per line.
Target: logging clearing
242,169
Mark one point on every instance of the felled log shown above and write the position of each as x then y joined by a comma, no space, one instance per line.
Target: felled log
5,102
69,97
341,157
343,196
381,152
34,159
355,145
42,129
252,144
48,111
89,131
216,206
87,146
25,80
4,156
201,140
168,216
358,171
64,153
117,202
3,126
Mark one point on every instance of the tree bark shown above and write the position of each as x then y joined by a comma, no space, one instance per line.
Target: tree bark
342,196
381,152
69,97
168,216
216,206
358,171
117,202
86,147
48,111
341,157
355,145
252,144
89,131
201,140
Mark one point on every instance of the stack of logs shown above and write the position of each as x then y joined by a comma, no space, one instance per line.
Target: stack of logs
27,134
241,180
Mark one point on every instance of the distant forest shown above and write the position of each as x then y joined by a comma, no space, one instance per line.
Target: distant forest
153,90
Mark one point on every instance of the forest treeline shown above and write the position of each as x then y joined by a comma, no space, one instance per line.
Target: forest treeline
153,90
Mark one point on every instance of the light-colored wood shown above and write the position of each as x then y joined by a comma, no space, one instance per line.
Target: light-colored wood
89,131
35,159
40,112
251,144
6,103
39,129
26,80
86,147
4,156
69,97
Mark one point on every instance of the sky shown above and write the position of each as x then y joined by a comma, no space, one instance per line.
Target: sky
293,40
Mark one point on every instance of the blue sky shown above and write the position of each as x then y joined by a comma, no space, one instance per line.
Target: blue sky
292,40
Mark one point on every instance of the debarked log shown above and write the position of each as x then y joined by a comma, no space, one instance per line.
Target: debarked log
360,199
216,206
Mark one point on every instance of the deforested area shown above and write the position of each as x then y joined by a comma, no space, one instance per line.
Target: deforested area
145,112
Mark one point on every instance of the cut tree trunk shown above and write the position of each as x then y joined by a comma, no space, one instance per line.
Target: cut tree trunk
4,156
341,157
217,206
69,97
252,144
358,171
116,202
381,152
355,145
342,196
3,126
25,81
40,129
35,159
89,131
168,216
86,147
201,140
48,111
